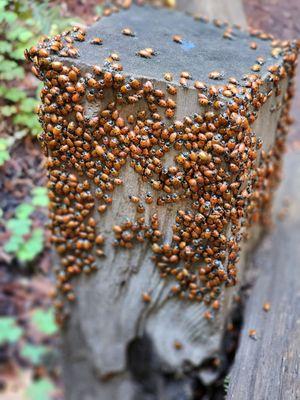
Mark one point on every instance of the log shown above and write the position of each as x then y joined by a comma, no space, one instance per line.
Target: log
156,173
267,361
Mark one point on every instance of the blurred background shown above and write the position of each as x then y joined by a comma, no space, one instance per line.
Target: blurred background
29,344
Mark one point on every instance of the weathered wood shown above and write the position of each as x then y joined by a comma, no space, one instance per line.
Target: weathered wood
269,367
110,318
115,345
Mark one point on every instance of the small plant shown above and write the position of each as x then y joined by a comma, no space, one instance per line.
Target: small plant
10,332
22,22
26,242
4,150
226,383
41,389
44,321
34,353
39,197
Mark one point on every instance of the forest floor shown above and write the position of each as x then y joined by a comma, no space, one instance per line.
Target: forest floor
25,289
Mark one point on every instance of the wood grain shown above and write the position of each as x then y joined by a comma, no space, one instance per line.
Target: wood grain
116,346
269,367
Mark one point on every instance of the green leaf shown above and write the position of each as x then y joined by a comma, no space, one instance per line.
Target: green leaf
10,72
10,332
4,156
32,247
40,390
3,4
5,46
34,353
19,227
13,244
8,16
25,35
18,32
3,89
4,143
7,111
18,54
40,197
4,147
27,119
28,105
15,94
24,210
44,321
40,86
226,383
7,65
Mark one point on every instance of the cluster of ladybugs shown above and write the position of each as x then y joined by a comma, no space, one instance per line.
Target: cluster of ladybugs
220,170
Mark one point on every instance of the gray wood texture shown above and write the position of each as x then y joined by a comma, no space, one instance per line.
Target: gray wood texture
203,48
269,367
117,347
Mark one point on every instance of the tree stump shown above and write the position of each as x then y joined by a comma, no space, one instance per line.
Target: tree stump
266,365
164,136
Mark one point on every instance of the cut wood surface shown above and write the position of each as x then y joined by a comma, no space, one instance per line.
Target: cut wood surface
268,366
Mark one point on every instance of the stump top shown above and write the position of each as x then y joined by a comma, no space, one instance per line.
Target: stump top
203,48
